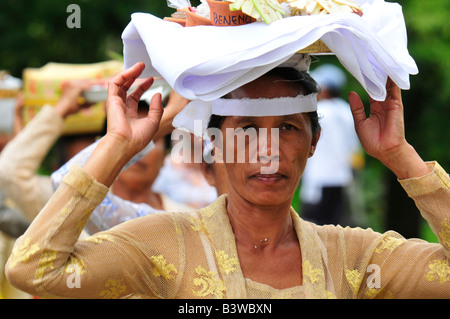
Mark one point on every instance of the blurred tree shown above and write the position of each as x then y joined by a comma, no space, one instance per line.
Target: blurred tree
35,32
427,107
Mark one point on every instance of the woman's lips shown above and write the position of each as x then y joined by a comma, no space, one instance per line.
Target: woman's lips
268,178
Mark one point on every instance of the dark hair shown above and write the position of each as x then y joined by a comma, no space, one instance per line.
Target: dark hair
298,78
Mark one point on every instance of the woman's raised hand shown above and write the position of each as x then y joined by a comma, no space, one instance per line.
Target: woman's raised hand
382,134
126,134
383,130
121,108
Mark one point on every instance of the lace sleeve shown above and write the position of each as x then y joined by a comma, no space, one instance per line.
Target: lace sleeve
49,260
408,268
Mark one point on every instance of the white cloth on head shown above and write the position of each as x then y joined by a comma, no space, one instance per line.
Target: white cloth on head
206,62
196,115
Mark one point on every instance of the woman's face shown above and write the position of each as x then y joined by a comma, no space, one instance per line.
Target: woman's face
146,170
290,150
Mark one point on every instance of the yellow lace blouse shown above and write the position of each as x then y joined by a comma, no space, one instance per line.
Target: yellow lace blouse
193,255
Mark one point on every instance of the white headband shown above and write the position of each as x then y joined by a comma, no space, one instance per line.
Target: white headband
265,107
201,111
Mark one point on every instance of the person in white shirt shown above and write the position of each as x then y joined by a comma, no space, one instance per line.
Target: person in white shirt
323,191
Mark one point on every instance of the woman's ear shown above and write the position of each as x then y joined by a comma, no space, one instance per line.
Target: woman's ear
314,142
207,170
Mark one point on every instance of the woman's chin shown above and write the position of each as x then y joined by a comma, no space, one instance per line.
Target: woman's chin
272,197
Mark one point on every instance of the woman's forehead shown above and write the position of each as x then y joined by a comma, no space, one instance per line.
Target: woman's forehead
267,86
269,121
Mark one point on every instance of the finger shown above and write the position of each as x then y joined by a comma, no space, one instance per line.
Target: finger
394,109
127,85
123,81
357,108
125,88
393,91
133,99
156,110
130,73
135,96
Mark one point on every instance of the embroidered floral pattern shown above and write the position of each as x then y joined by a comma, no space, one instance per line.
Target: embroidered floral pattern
384,294
372,292
330,295
161,268
209,283
226,263
198,225
354,278
440,269
313,274
46,262
99,238
209,210
22,252
113,289
445,233
389,243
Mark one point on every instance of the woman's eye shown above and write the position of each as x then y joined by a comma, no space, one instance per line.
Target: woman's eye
287,127
247,127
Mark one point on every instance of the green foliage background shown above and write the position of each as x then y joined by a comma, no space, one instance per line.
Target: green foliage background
33,33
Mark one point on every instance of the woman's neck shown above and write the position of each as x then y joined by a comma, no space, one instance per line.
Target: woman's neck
142,194
266,243
260,225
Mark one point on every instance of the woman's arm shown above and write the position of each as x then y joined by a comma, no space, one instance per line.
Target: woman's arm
21,158
42,259
409,268
23,155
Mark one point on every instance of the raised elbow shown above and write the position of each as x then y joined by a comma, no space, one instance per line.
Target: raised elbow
19,277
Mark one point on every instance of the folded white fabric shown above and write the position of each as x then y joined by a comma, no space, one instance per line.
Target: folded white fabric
206,62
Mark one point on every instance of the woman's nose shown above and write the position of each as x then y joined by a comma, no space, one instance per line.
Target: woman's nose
268,145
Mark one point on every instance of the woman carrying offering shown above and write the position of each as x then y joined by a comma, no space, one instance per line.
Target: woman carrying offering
249,243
